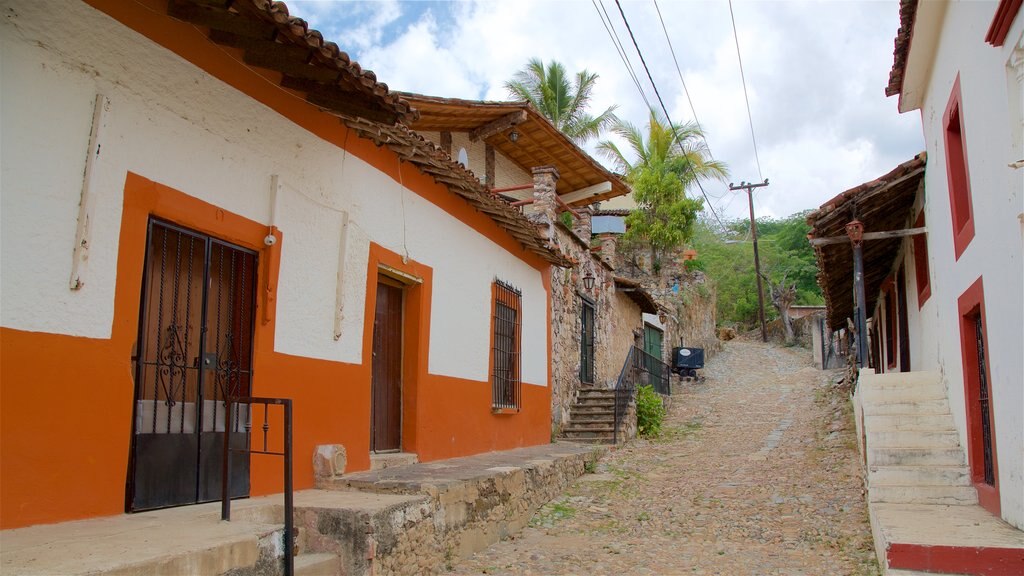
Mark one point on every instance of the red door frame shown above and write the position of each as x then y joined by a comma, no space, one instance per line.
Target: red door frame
971,306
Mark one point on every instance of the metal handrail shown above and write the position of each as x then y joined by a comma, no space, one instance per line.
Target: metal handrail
289,515
639,369
655,372
625,387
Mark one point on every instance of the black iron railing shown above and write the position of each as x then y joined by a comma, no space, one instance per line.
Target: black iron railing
640,369
232,425
653,372
625,387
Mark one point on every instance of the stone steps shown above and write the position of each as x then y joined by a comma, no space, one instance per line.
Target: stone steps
321,564
919,475
907,407
929,495
592,417
939,439
896,422
915,457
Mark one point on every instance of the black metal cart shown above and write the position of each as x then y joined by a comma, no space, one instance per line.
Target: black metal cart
686,361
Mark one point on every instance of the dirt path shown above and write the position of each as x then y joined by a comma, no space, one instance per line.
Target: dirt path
755,473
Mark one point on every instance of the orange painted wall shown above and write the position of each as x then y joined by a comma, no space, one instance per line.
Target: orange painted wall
66,425
66,402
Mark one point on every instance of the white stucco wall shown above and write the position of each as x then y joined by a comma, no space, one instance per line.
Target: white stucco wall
991,117
172,123
506,172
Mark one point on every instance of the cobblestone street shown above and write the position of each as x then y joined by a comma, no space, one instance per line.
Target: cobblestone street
755,473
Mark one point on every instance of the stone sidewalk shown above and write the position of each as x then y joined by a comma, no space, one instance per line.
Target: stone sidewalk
756,473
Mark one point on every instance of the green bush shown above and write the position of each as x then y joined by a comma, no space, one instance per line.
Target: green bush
650,412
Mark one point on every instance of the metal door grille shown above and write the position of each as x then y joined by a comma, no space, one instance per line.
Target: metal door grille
984,402
587,342
505,372
194,347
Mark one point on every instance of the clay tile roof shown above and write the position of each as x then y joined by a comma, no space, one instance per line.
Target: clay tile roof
908,11
613,212
436,163
882,204
271,38
637,293
539,142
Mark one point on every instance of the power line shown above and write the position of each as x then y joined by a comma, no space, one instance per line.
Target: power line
668,118
618,47
683,82
743,78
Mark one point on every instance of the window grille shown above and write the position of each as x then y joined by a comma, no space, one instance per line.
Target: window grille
587,342
506,347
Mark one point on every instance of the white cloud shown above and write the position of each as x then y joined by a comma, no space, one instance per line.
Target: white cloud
816,72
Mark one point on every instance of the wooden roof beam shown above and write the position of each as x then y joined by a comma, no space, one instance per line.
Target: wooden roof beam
495,126
222,20
587,193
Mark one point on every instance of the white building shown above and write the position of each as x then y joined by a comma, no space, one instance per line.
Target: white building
948,304
199,198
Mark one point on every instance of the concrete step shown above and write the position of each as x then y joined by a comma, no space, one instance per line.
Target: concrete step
896,394
906,407
912,439
598,409
588,429
916,457
386,460
922,539
870,380
918,476
930,495
603,439
606,420
594,403
924,422
322,564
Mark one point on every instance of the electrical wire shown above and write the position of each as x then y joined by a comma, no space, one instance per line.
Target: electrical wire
618,47
683,82
743,78
668,118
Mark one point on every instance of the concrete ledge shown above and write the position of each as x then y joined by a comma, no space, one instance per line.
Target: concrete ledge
474,501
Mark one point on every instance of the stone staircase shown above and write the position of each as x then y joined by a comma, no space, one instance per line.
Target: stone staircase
592,417
913,448
924,510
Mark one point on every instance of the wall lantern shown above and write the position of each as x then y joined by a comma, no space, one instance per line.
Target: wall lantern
588,280
513,136
662,317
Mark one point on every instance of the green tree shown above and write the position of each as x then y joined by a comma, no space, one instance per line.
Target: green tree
665,161
549,89
728,259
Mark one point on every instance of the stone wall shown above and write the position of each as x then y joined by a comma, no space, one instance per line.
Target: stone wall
567,291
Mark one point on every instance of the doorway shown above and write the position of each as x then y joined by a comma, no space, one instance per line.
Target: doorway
386,376
194,347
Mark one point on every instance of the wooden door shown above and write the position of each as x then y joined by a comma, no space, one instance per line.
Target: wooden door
386,379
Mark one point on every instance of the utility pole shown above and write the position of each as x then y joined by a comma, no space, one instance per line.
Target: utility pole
757,259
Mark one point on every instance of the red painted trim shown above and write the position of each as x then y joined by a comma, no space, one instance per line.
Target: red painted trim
971,303
973,560
959,178
1006,12
921,272
889,297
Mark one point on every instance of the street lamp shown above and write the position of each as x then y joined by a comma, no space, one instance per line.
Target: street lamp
588,280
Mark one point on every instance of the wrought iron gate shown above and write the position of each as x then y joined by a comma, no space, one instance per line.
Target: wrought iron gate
194,347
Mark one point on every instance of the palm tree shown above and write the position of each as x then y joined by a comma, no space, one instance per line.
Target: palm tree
679,149
564,102
670,159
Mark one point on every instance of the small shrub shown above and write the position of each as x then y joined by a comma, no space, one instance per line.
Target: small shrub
566,219
650,412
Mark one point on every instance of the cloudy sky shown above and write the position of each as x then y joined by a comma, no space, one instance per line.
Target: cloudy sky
815,71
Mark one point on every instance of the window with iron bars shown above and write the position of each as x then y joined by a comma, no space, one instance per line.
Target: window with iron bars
587,341
506,346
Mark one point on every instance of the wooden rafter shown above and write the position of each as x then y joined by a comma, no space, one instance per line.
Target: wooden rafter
491,128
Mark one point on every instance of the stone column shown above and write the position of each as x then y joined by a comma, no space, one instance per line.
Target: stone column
545,206
609,244
582,226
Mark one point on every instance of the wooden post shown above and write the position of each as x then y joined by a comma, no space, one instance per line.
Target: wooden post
757,259
855,230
